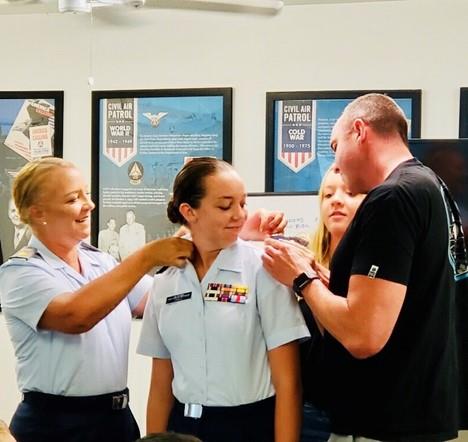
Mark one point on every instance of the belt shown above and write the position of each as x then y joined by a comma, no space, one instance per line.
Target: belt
111,401
195,411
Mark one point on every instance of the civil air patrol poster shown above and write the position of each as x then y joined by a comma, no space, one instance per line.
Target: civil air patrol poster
143,140
299,126
31,127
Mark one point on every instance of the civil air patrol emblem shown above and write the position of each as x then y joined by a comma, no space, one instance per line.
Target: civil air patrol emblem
135,172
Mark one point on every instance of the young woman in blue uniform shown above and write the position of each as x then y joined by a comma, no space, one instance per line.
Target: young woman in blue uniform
222,333
68,307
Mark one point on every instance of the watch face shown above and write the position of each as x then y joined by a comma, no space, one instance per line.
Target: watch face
302,280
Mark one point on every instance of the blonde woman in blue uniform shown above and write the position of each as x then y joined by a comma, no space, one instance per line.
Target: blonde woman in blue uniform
222,333
68,307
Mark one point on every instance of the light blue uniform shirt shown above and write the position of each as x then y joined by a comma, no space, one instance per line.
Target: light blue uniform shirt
219,349
91,363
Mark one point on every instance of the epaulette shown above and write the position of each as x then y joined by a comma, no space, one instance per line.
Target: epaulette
87,246
25,253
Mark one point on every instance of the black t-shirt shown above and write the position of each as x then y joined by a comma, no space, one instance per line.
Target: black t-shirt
407,391
311,355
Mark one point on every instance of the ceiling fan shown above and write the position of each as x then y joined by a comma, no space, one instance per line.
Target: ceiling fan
87,5
77,6
51,6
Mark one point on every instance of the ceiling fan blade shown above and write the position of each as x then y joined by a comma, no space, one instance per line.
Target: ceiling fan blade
264,6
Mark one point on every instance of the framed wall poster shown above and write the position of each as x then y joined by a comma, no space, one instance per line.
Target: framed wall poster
298,129
141,139
31,127
463,127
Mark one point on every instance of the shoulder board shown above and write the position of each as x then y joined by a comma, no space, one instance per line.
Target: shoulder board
87,246
25,253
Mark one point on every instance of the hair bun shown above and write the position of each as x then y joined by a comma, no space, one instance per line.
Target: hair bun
173,213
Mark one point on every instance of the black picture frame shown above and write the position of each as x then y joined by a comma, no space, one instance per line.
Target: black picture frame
463,126
160,129
31,127
301,170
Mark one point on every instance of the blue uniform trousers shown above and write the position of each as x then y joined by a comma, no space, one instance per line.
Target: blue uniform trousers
315,424
43,421
244,423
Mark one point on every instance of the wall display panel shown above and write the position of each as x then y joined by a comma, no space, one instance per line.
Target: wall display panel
300,209
449,160
31,127
463,127
141,139
298,129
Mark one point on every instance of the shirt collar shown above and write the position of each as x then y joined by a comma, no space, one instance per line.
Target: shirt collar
53,260
229,258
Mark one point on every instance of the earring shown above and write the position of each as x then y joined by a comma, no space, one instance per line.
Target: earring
44,223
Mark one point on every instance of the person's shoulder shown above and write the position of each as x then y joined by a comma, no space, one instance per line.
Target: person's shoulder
164,281
166,274
246,256
25,255
410,180
248,249
26,258
412,175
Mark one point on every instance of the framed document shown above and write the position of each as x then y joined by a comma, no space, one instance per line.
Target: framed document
302,210
141,139
31,127
463,127
298,129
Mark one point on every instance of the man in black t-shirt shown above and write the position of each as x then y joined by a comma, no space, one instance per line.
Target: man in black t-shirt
389,312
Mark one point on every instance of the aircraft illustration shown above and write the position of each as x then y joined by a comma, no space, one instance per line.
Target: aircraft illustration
155,119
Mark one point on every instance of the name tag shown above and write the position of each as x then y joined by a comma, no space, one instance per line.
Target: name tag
179,297
237,294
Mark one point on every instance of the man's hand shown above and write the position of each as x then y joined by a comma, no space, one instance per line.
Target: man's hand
261,224
170,251
283,261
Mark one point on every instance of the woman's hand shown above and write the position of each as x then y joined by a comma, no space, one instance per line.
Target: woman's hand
182,231
263,223
5,435
322,272
169,251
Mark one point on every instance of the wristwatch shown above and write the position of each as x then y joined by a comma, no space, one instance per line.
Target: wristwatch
301,281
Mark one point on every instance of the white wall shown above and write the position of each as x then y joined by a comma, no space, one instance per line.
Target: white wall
410,44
